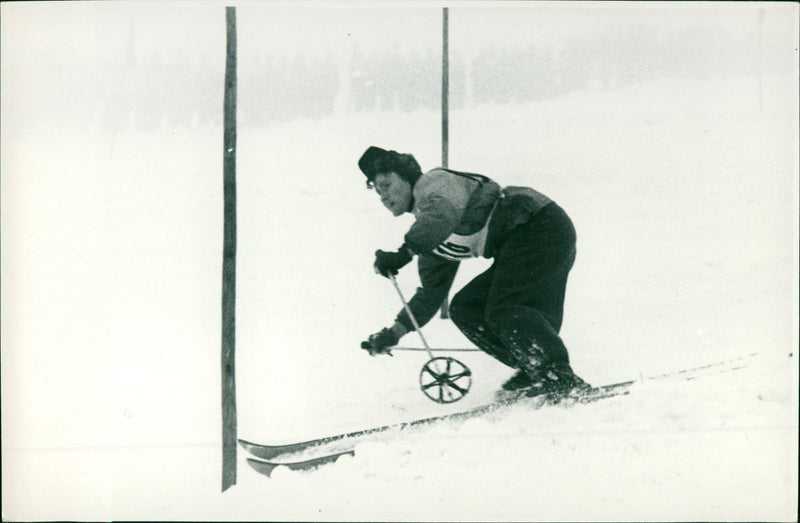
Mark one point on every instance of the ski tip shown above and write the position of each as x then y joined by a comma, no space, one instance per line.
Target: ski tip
245,444
262,467
266,467
256,449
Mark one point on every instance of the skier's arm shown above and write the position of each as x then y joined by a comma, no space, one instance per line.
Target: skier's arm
440,200
436,276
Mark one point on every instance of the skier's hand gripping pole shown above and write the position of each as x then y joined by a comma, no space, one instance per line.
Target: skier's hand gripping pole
442,379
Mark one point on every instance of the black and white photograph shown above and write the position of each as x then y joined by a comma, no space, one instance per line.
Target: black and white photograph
399,261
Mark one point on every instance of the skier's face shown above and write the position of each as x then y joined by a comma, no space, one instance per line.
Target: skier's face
395,192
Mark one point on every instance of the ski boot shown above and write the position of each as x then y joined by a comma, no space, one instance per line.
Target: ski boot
558,379
519,381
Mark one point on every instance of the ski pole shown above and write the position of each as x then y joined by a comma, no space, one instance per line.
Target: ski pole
439,349
411,316
445,382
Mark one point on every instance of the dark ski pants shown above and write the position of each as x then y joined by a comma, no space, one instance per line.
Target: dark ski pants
513,311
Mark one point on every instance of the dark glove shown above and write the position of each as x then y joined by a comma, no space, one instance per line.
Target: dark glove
380,342
387,263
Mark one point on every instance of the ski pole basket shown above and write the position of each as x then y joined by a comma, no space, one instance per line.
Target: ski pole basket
448,385
442,379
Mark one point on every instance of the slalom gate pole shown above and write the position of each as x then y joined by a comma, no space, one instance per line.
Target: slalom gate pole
445,312
228,371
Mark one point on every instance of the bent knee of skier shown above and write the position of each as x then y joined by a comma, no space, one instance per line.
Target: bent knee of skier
526,332
465,314
502,317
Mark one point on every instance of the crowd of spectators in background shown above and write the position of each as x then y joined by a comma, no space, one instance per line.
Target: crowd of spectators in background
156,91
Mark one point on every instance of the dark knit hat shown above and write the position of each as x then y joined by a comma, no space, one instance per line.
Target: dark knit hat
375,161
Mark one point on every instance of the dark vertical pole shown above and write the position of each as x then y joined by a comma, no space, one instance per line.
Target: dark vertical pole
445,113
229,261
445,88
760,59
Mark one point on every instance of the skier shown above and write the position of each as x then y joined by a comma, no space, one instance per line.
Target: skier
513,310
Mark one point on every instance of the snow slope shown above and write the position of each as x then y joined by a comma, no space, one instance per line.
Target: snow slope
707,450
684,259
